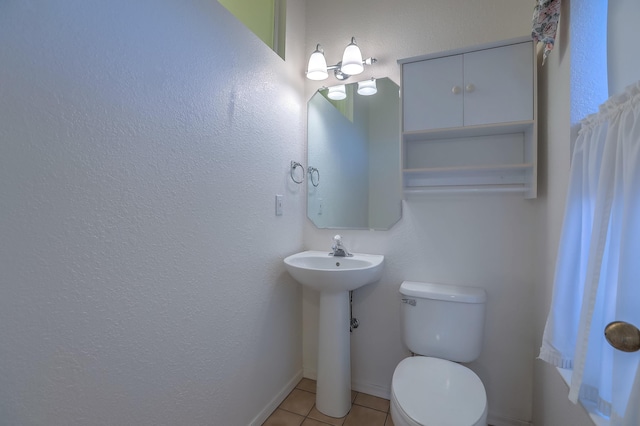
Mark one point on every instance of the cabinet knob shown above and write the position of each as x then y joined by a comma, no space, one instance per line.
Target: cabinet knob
456,90
470,88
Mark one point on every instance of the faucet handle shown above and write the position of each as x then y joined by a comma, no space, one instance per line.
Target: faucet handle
337,238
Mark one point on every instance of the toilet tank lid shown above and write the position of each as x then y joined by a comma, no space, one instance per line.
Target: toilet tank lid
449,292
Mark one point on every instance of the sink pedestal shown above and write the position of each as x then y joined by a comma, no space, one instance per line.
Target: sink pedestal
333,391
334,277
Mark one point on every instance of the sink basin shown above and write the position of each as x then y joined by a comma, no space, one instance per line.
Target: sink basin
324,273
334,278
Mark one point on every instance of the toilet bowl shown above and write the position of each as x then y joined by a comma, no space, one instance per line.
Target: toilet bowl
443,326
429,391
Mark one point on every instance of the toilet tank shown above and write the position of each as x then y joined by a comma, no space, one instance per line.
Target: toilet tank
443,321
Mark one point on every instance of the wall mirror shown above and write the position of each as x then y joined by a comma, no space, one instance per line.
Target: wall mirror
353,163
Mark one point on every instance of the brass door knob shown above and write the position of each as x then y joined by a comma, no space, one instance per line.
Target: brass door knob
623,336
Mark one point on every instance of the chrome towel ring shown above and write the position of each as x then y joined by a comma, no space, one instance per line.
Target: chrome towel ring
294,166
310,171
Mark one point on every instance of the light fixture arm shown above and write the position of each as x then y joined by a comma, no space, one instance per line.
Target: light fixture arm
337,72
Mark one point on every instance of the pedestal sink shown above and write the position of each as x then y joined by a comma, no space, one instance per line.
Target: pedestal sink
334,277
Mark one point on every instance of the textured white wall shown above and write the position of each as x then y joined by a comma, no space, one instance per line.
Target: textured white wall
589,82
486,241
141,146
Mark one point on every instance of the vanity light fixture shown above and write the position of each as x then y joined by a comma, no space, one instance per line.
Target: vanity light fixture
351,64
337,93
367,87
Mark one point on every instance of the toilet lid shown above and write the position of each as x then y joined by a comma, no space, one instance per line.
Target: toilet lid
434,391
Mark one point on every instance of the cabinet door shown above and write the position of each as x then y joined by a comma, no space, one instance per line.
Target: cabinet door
429,98
498,85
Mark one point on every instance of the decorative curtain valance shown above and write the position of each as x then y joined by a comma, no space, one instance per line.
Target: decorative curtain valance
546,15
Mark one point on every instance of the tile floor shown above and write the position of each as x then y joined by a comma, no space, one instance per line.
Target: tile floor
299,409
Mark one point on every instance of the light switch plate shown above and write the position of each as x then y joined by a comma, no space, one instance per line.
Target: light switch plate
279,205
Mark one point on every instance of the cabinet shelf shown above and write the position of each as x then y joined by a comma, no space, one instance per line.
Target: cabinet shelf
483,176
469,131
466,189
490,169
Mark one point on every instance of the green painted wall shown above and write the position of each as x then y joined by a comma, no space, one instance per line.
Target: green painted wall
262,17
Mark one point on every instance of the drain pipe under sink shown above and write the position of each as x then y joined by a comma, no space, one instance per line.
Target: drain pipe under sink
353,323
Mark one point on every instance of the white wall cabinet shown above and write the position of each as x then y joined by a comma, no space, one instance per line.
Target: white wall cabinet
469,120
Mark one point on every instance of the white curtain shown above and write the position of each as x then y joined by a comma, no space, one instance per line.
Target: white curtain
597,277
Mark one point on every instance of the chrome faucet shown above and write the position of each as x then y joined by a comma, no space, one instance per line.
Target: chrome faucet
338,249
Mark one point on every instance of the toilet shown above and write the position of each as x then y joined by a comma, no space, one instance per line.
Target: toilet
443,326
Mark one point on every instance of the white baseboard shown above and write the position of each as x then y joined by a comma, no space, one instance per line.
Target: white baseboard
371,389
264,414
495,420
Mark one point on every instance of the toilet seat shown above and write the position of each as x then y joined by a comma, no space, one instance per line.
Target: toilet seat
431,391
